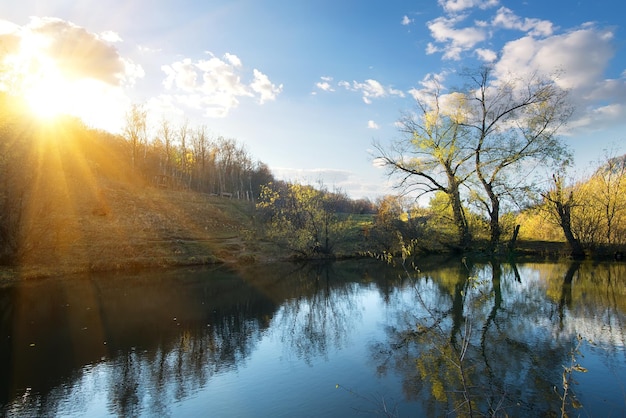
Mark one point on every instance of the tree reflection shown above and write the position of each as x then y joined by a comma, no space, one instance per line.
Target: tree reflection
145,341
148,342
466,339
480,340
319,319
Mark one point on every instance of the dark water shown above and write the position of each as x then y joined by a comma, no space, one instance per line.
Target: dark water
345,339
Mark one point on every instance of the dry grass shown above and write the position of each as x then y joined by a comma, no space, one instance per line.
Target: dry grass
99,223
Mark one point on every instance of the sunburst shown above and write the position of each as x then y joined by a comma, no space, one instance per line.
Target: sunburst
50,89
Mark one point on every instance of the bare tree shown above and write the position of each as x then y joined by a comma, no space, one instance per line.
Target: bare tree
201,146
183,133
135,130
561,201
166,134
514,123
434,153
610,181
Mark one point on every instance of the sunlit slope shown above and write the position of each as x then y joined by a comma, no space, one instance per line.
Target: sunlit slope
82,207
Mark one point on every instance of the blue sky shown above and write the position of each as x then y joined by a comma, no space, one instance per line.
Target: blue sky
307,86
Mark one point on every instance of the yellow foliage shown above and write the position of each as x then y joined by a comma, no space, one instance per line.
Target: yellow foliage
438,391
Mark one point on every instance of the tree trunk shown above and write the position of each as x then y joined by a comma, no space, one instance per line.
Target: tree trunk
564,212
494,222
513,240
459,215
576,248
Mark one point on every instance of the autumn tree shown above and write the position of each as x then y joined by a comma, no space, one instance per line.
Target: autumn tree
434,153
560,203
300,217
387,223
514,124
609,185
135,131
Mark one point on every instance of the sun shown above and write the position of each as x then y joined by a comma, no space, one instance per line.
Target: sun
47,96
51,89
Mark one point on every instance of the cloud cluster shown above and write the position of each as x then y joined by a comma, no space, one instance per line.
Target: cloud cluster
215,85
77,53
453,37
505,18
372,125
457,6
580,56
369,89
406,20
454,40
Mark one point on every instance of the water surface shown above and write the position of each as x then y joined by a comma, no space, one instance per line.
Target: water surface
341,339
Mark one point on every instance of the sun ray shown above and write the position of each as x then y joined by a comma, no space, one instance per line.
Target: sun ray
50,89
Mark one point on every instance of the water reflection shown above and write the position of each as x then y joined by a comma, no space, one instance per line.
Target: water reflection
159,333
485,340
269,340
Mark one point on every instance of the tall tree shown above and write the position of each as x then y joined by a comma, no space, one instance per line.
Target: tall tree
183,134
200,145
610,181
135,131
514,123
434,153
166,134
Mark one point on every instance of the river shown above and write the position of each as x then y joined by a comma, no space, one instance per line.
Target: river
443,336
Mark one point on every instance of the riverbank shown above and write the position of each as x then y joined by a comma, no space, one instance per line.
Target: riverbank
121,226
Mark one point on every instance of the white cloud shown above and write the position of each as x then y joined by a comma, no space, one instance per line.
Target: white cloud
581,57
486,55
454,40
325,84
430,84
77,53
506,19
582,54
181,75
110,36
233,60
264,87
370,89
406,21
214,85
372,125
8,27
456,6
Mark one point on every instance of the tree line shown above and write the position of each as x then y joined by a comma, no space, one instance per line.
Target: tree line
489,157
189,157
590,213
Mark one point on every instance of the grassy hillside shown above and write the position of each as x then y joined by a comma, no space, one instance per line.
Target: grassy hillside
124,226
80,206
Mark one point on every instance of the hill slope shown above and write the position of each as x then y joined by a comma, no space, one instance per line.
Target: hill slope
72,202
124,227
